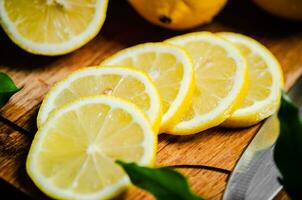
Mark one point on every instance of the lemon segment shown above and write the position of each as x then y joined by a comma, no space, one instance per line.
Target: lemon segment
221,81
52,27
129,84
171,70
265,82
73,155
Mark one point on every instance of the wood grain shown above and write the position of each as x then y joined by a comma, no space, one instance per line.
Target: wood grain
209,184
282,196
13,151
225,144
217,147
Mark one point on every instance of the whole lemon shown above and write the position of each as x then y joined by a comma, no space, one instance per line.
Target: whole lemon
291,9
178,14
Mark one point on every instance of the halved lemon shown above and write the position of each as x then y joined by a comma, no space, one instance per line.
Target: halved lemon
169,67
265,82
52,27
126,83
221,81
73,155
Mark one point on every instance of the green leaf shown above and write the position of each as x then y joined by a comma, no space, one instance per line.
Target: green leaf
7,88
164,183
288,149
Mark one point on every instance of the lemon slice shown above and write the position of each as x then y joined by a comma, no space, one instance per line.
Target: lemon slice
52,27
265,82
220,75
171,70
129,84
73,155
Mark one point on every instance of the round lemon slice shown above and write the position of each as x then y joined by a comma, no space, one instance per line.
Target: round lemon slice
221,81
265,82
73,155
129,84
171,70
52,27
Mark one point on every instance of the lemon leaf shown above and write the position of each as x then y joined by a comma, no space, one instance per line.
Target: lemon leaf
288,150
164,183
7,88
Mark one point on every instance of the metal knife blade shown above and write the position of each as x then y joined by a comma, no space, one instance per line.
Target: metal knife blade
255,175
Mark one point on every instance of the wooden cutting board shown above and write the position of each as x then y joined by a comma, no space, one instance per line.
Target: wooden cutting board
207,158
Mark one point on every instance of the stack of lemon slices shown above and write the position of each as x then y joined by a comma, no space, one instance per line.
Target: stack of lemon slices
181,86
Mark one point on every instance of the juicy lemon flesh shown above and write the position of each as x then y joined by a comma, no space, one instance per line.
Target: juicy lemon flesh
125,87
260,78
165,70
213,79
50,21
79,150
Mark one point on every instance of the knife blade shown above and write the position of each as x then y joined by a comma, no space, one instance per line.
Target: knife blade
255,176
